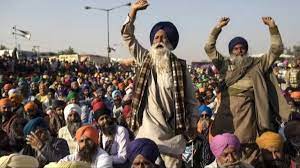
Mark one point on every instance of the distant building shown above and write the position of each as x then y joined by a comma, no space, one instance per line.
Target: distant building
96,59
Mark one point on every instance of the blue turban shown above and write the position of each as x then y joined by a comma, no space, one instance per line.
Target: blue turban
143,146
116,93
33,124
170,29
237,40
205,108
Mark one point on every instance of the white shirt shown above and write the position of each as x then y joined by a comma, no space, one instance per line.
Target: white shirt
65,134
101,160
118,149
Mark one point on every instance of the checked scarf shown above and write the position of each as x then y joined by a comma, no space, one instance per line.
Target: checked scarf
177,66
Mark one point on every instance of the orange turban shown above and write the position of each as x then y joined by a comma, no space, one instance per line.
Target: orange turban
270,140
4,101
30,106
88,131
295,95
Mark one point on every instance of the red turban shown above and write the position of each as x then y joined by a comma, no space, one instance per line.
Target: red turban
98,106
89,132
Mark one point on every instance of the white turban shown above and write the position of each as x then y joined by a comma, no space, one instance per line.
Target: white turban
71,107
19,161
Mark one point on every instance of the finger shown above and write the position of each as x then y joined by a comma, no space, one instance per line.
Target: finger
34,135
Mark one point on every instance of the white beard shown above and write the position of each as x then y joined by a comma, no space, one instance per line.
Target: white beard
236,60
161,57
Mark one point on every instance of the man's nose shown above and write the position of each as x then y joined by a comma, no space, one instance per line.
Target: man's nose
230,158
160,39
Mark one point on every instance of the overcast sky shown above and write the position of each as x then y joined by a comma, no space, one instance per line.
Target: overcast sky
58,24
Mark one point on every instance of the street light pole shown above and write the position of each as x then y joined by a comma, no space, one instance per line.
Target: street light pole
107,22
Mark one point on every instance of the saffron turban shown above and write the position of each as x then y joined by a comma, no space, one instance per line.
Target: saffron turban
295,95
270,140
33,124
221,142
237,40
71,107
170,29
204,108
143,146
30,106
89,132
5,101
19,161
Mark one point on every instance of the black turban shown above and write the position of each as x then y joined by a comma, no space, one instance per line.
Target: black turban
292,129
170,29
237,40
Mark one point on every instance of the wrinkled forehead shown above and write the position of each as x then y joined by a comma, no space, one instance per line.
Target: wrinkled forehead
160,32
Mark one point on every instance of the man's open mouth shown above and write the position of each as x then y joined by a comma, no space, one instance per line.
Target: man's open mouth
159,46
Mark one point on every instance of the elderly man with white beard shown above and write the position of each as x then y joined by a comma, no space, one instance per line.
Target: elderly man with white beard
251,101
164,107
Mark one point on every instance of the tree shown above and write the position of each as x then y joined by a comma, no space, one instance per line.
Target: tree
70,50
3,47
296,50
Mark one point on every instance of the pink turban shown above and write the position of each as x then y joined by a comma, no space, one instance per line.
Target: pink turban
220,142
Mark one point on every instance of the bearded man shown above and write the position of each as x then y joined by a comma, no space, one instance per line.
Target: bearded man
72,114
163,106
227,150
87,137
41,145
251,101
114,138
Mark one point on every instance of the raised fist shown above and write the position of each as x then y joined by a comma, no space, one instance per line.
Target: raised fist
268,21
223,22
140,5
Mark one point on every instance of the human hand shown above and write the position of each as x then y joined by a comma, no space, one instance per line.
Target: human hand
223,22
268,21
140,5
34,141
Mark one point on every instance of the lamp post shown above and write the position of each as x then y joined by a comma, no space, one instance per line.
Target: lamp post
107,17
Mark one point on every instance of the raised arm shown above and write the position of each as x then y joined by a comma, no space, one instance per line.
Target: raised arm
135,49
210,46
276,48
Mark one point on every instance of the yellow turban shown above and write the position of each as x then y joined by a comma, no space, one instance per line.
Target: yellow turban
68,164
19,161
270,140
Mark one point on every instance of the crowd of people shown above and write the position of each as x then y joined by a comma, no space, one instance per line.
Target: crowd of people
239,112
